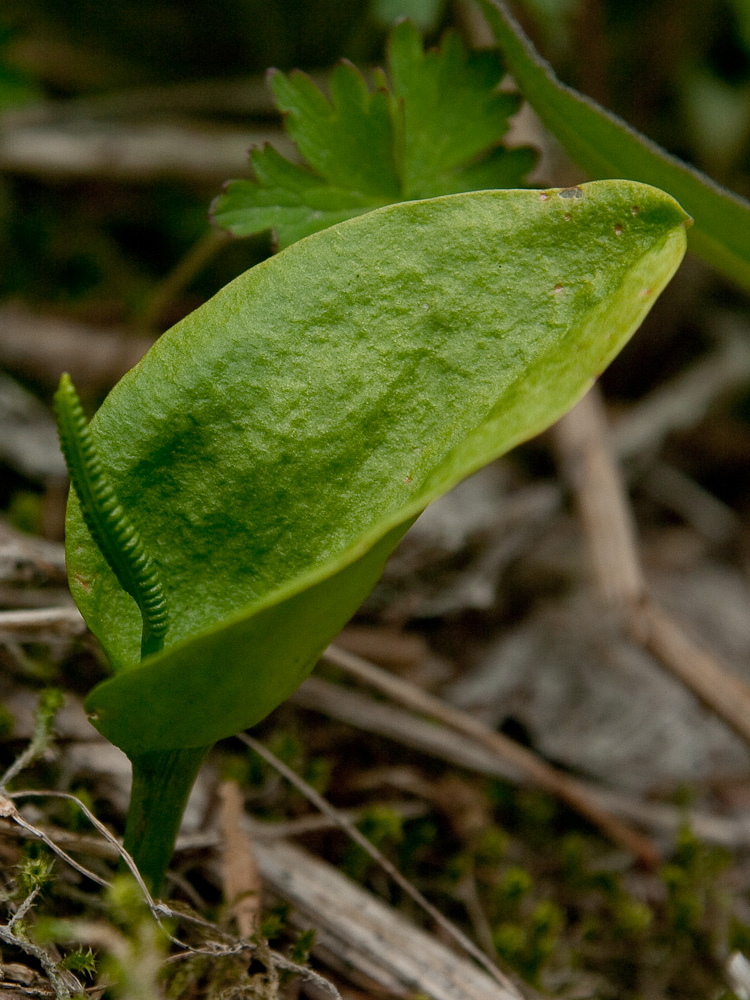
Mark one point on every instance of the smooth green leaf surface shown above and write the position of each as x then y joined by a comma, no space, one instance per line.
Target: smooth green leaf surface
273,447
432,126
605,146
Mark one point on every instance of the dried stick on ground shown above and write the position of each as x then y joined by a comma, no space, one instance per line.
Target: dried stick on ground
25,559
567,789
240,871
355,709
447,926
363,937
41,347
249,96
135,153
604,508
587,458
66,621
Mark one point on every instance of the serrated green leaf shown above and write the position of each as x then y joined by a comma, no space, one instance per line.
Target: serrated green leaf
452,112
348,141
605,146
273,447
286,198
432,126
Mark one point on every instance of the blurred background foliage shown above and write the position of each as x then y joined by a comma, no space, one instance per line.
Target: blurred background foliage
679,71
104,248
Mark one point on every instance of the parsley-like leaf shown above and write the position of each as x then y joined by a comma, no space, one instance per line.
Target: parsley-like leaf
433,125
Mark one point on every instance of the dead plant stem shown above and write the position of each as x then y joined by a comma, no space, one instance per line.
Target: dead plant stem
325,807
536,770
587,457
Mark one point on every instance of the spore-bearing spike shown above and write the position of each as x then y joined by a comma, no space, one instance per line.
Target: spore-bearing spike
110,527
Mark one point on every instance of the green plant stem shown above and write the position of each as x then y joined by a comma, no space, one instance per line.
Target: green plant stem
196,258
161,785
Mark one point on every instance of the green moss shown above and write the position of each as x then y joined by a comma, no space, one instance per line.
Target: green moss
384,828
274,921
81,961
300,951
492,846
35,871
632,917
510,942
512,888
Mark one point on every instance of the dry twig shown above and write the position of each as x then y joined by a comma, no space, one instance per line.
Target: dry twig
587,458
541,774
133,153
351,831
42,346
446,744
65,620
61,981
243,95
364,938
242,884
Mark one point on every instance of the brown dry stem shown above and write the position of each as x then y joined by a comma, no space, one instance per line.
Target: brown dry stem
587,457
242,881
539,773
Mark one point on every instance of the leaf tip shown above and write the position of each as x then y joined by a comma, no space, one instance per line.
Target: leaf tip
65,389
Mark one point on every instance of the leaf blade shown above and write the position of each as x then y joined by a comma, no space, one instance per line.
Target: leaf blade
327,406
607,147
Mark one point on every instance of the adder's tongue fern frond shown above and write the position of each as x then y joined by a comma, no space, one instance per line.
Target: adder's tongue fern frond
110,526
